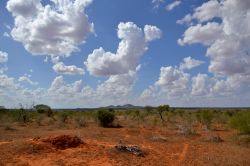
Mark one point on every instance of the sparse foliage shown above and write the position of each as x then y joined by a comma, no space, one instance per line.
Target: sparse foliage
23,114
80,122
161,109
205,117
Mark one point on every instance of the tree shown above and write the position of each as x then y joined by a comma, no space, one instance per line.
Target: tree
42,108
3,109
162,108
23,114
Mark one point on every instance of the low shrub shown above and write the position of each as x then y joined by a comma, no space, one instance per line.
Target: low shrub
64,116
2,112
39,118
241,122
149,109
24,115
205,117
106,118
187,125
80,122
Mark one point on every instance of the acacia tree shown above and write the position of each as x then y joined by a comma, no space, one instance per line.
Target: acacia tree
162,108
41,108
23,114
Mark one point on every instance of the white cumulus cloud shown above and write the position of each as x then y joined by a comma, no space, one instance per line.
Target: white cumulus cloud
205,34
61,68
157,3
228,39
117,87
173,5
201,85
134,43
172,80
55,29
3,57
26,78
190,63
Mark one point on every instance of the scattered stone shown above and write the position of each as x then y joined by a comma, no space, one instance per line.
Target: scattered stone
214,138
186,130
36,139
133,149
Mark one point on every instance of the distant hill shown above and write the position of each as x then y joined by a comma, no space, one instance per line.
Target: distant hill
126,106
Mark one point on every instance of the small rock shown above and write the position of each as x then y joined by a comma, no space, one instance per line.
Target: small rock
214,138
136,150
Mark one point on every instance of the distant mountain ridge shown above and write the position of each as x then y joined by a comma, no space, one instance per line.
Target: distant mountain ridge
125,106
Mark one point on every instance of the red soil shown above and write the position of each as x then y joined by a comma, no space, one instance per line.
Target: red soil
20,148
63,141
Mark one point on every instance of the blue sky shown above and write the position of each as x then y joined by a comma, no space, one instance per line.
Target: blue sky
89,53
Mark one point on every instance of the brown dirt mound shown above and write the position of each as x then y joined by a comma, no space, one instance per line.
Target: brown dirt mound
63,141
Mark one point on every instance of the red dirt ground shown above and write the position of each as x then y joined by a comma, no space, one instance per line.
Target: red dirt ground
162,147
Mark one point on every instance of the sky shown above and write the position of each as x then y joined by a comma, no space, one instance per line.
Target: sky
89,53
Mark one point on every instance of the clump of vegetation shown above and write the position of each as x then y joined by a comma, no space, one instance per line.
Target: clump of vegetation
80,121
241,122
39,119
231,113
3,109
243,140
24,115
65,116
205,117
44,109
187,126
161,109
148,109
106,118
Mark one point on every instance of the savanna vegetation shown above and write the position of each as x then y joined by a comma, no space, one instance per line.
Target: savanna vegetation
187,120
160,125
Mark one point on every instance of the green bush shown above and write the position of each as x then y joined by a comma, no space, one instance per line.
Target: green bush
105,118
148,109
241,122
3,109
205,117
41,108
65,116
